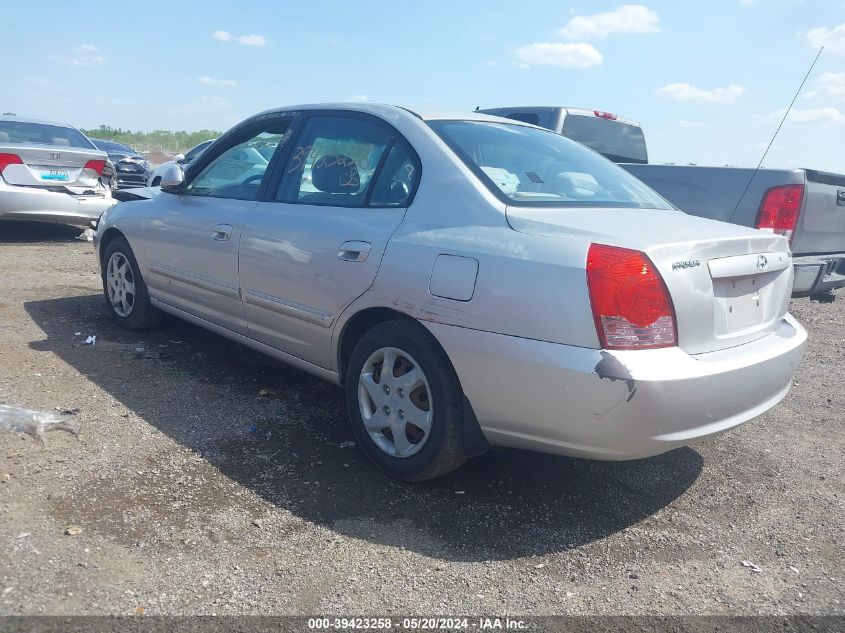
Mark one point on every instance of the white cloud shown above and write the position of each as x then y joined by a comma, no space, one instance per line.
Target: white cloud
358,98
833,39
822,116
687,92
247,40
86,55
574,55
627,19
830,84
211,81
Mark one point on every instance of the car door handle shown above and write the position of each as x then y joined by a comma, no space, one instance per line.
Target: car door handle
354,251
222,232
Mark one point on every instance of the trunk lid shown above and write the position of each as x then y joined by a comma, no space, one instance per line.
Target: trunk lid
51,166
729,284
821,224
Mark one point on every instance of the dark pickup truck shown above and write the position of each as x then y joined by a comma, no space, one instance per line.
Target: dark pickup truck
806,205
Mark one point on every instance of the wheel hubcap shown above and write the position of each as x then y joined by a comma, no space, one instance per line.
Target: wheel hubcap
395,402
120,283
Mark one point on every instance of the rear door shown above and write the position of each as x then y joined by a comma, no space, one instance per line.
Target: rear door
192,237
316,246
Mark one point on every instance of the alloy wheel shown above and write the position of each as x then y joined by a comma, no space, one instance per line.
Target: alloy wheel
120,283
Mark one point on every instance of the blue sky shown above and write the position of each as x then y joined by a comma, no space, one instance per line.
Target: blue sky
707,79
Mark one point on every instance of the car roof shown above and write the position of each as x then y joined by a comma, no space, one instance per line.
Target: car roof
386,110
8,117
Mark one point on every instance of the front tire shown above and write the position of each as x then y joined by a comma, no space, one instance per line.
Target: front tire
405,402
126,293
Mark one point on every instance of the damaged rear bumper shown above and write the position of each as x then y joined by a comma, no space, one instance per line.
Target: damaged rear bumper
616,405
32,203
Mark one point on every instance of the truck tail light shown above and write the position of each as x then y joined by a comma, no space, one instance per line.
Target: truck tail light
780,209
96,165
9,159
604,115
631,304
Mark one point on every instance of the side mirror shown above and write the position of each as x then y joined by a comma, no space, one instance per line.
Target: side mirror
179,158
172,177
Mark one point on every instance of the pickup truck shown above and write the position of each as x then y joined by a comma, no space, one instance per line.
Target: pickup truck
806,205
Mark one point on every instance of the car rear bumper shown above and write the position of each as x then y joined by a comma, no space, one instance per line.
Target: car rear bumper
616,405
818,274
30,203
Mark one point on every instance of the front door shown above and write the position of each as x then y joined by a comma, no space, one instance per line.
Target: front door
308,254
192,238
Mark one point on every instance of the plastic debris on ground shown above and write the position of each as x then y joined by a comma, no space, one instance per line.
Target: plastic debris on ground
86,236
754,568
91,340
36,423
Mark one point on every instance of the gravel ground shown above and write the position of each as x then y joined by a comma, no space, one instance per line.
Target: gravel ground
210,479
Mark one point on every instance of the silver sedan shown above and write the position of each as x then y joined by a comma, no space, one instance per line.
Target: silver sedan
469,281
50,172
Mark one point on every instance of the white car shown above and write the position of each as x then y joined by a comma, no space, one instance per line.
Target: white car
154,179
469,281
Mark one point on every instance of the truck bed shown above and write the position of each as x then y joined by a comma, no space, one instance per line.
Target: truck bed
818,243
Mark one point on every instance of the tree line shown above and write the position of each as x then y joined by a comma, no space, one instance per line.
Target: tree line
163,140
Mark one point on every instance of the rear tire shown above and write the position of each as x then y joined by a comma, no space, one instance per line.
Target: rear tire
422,387
125,292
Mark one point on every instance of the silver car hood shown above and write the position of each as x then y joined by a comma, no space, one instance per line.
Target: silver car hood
729,284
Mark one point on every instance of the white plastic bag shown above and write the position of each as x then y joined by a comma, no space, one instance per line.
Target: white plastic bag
36,423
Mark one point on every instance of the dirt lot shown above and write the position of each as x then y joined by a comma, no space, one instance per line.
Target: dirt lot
195,493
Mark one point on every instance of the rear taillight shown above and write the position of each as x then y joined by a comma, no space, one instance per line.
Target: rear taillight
604,115
96,165
9,159
631,305
780,209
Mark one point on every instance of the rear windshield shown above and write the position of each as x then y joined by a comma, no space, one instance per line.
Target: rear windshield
27,133
620,142
531,167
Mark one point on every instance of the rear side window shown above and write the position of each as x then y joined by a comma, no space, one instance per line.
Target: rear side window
620,142
397,179
27,133
527,166
334,162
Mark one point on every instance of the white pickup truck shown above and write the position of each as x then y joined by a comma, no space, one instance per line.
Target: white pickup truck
806,205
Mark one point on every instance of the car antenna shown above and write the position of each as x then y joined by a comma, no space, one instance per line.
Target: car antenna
782,121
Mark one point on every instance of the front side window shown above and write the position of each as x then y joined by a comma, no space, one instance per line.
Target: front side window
532,167
237,172
334,162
